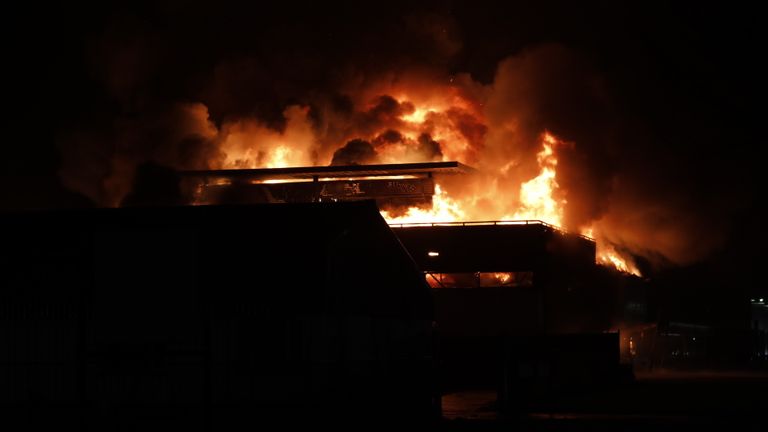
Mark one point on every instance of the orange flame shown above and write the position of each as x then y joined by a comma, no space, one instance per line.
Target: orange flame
536,198
610,258
444,209
502,277
607,255
536,202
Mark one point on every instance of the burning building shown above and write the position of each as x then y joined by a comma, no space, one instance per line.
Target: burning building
491,280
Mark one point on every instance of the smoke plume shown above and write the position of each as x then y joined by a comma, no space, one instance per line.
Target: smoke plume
385,94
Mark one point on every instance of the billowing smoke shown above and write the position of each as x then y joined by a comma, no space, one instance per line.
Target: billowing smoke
101,164
242,109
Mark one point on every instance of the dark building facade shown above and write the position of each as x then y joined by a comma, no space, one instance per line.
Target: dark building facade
207,317
491,280
288,293
514,299
503,277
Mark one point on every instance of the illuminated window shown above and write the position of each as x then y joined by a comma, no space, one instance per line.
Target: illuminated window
479,279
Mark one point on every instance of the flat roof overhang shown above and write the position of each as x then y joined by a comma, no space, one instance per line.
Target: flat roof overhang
342,171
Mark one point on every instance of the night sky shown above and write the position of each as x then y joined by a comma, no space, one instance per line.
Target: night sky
685,85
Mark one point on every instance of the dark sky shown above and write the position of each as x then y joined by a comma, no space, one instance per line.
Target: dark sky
686,81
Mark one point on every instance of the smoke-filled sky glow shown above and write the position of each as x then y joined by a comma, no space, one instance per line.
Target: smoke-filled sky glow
650,116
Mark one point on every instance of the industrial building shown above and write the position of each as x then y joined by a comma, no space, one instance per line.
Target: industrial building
284,290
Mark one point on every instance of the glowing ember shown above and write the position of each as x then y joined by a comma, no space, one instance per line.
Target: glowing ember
502,277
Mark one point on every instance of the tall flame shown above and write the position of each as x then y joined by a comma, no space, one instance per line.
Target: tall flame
536,194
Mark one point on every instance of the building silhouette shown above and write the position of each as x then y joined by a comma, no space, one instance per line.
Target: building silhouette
207,318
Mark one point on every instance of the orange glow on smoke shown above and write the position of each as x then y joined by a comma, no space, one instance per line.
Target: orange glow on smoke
250,144
418,115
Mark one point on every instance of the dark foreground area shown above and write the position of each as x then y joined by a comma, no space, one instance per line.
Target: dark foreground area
663,400
309,317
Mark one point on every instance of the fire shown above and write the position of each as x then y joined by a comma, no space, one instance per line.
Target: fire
536,198
608,256
440,125
537,202
444,209
613,259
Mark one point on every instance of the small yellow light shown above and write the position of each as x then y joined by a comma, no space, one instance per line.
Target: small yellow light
433,254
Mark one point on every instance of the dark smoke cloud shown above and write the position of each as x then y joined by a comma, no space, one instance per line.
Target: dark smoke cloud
429,148
177,136
355,152
390,136
422,149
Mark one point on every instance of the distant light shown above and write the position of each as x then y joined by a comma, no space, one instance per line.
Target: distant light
433,254
694,338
